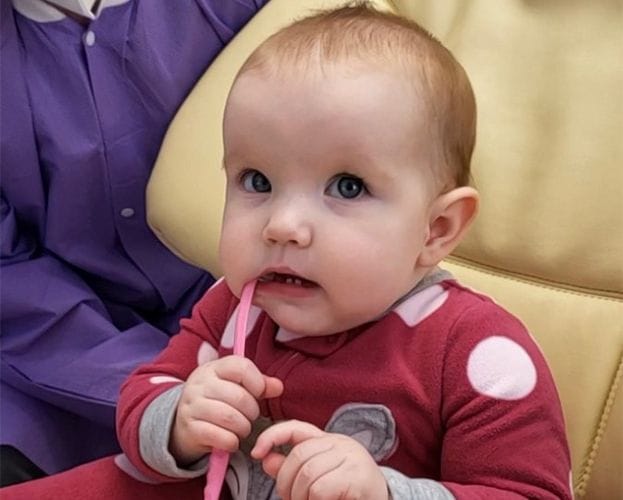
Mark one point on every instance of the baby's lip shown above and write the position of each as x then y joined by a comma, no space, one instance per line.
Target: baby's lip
285,275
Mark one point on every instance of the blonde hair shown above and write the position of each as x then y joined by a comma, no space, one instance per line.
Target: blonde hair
358,32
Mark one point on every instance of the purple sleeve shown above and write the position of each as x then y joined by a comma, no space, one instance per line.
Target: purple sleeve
58,342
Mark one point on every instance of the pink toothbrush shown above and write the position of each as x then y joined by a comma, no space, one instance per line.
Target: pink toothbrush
219,458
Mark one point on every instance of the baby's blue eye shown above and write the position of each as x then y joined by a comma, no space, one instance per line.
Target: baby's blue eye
346,186
255,182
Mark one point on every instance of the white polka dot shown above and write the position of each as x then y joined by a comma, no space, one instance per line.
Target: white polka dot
126,466
500,368
227,340
163,379
206,353
421,305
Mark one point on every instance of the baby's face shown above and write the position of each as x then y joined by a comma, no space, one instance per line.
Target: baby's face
328,196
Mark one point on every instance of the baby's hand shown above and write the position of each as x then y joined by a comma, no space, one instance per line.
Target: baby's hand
321,465
218,404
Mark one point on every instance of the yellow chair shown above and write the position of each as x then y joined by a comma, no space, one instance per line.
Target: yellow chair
548,243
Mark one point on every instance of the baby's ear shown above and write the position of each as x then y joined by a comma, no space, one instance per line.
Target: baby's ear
451,215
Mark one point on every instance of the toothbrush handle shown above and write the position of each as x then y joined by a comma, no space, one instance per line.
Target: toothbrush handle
216,474
219,459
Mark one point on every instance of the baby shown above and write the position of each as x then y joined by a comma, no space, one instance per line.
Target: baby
370,372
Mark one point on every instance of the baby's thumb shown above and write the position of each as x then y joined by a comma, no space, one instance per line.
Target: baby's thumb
272,464
273,387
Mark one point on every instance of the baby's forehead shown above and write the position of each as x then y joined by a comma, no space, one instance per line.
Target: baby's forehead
353,72
406,53
336,92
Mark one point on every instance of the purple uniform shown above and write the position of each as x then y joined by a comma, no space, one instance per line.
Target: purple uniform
88,292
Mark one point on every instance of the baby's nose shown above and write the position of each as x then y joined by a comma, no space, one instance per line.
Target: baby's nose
288,226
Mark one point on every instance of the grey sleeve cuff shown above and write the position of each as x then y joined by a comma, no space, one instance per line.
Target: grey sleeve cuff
402,487
154,434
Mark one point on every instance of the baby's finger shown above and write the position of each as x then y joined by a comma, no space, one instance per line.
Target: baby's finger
223,415
315,478
234,395
273,387
241,371
210,436
290,432
305,464
272,463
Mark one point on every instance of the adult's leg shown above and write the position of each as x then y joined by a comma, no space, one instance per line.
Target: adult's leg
50,438
15,467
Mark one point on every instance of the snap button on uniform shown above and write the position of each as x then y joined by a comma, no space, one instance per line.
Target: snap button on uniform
89,38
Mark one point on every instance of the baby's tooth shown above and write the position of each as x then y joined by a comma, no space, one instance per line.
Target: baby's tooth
298,281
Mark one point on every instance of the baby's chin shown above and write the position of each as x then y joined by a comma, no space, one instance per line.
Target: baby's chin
298,327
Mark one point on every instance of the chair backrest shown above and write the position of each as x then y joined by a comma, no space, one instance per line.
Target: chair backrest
548,243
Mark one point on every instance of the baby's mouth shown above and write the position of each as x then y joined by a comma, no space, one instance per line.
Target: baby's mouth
288,279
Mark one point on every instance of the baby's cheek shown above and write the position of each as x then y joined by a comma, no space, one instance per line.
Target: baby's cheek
231,266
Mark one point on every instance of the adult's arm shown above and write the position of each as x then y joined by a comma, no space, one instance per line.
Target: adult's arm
58,341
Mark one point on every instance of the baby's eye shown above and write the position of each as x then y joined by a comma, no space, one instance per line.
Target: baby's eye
346,186
255,182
